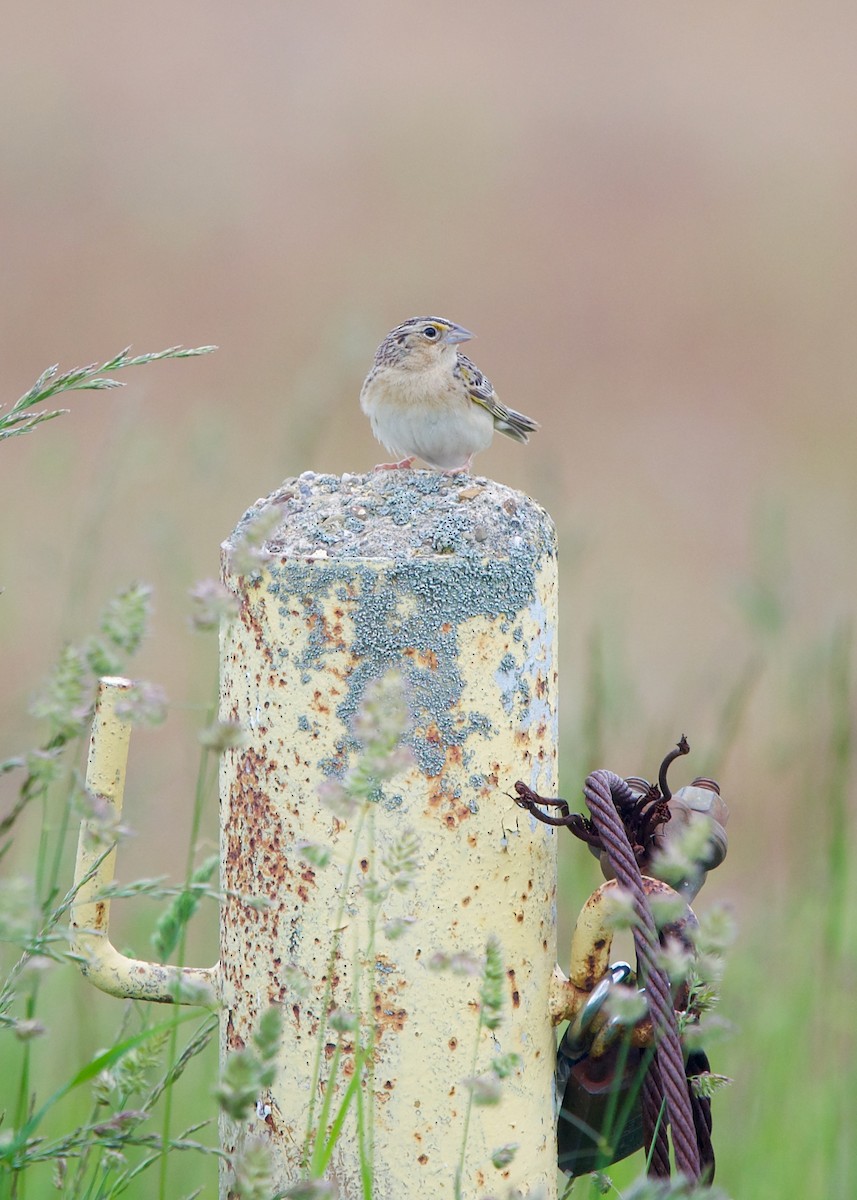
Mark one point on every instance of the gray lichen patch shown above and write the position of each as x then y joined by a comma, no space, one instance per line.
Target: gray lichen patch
387,570
400,515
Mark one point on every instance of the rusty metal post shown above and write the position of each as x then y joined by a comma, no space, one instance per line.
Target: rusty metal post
454,582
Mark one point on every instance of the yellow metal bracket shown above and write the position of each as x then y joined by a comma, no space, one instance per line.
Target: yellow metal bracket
99,960
591,944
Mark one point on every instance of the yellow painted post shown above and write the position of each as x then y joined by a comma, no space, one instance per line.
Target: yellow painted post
453,581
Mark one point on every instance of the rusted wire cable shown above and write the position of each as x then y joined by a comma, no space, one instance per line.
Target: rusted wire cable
654,1129
604,791
698,1064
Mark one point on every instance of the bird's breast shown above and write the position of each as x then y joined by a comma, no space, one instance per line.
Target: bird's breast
418,391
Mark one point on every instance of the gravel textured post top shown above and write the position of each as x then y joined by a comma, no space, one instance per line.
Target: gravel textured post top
401,515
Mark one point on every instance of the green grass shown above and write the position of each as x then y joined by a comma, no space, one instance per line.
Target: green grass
89,1084
90,1103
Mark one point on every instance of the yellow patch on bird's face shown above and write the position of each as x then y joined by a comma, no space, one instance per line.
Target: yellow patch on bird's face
430,333
426,347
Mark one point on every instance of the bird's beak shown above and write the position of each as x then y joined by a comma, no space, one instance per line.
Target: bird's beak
456,334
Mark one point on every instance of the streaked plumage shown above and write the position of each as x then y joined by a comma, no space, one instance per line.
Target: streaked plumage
425,399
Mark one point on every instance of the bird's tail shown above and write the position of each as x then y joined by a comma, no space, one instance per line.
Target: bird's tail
514,424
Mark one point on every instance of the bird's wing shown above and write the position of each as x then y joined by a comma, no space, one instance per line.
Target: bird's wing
479,388
481,391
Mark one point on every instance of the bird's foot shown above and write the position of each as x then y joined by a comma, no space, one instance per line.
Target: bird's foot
397,466
466,467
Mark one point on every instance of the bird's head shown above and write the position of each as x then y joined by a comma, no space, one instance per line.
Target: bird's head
420,343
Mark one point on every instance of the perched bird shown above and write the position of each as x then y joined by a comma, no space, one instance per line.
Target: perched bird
425,399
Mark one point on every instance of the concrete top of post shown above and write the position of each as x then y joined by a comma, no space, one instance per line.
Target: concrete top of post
398,515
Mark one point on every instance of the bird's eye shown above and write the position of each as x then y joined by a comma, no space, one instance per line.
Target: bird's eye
431,332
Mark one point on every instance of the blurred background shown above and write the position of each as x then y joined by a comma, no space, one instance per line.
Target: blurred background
647,215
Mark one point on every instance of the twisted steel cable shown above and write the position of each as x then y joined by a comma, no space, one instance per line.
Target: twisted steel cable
653,1129
604,790
697,1063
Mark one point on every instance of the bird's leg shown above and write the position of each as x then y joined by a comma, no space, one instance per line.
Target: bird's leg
466,467
397,466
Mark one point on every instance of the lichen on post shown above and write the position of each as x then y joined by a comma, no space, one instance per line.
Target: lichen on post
451,581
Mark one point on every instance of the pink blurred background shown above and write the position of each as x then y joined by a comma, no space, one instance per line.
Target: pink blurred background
646,214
